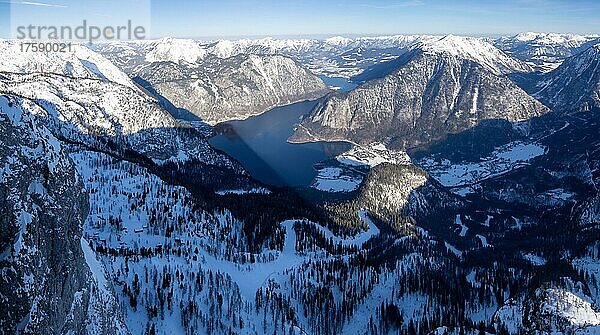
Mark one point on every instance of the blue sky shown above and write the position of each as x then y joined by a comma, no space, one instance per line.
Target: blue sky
236,18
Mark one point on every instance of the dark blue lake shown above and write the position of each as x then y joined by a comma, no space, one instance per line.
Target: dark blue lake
260,144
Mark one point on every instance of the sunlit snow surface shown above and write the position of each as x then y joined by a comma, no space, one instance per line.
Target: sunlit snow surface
345,178
333,179
80,63
504,159
243,191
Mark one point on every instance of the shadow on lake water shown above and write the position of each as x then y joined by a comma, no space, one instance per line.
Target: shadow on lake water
260,144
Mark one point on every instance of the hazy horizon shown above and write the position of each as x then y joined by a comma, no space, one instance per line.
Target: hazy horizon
230,19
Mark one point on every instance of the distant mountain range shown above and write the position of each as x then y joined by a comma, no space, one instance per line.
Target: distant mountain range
545,51
574,85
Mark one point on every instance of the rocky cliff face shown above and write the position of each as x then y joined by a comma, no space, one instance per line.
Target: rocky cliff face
433,92
45,279
574,85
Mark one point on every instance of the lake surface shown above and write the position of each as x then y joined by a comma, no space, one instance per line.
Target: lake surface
339,83
260,144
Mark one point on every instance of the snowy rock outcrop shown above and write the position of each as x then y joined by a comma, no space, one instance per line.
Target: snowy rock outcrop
79,62
398,193
550,310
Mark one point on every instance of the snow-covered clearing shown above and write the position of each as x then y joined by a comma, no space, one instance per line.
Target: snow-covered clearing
463,229
357,240
334,179
504,159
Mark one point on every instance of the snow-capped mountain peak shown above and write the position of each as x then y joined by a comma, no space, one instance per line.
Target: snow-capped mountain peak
338,40
176,51
553,38
224,48
527,36
476,50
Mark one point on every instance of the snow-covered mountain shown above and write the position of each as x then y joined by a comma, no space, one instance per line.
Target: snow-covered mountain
552,310
219,90
574,85
333,57
435,89
346,57
93,106
478,51
213,85
80,63
545,51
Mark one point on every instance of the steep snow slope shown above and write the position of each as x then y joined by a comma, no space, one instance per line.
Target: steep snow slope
92,111
80,63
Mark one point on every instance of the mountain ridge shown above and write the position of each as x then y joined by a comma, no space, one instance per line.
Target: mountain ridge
404,106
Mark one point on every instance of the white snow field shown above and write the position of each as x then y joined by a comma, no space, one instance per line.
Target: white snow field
503,160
